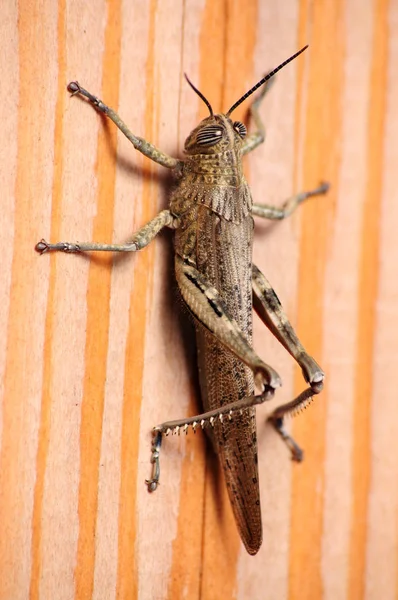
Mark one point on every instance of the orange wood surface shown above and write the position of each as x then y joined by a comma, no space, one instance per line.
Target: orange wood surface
94,351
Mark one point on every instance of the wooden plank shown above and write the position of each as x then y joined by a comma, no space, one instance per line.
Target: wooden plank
94,352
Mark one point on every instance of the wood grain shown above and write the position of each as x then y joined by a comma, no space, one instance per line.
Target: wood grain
95,351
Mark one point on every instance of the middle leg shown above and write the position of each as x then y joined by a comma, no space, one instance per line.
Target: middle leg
139,240
277,213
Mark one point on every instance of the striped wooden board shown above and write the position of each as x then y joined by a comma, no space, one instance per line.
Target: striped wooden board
95,351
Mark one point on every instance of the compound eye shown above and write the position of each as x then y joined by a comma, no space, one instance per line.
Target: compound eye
209,136
240,129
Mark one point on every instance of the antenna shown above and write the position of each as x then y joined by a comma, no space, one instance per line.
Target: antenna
200,95
260,83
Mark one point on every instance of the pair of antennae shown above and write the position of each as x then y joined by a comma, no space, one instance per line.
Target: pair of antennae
253,89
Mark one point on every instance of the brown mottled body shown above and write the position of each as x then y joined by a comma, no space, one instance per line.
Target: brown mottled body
216,216
211,210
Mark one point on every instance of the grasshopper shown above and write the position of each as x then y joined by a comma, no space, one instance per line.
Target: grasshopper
212,211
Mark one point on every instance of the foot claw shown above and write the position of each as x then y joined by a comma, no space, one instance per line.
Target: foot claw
41,247
324,187
297,454
73,87
152,485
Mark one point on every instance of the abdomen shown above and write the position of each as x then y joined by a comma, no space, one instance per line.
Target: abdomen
224,256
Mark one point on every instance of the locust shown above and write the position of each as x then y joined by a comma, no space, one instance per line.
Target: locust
211,210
